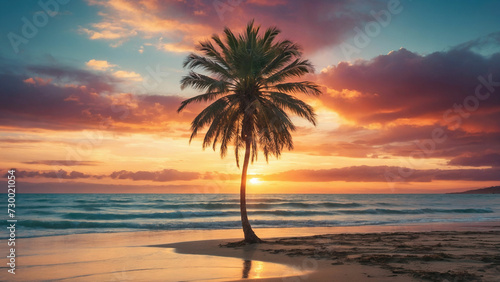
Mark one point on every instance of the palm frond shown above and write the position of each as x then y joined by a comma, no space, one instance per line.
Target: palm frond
219,68
204,83
200,98
247,81
209,114
305,87
295,69
296,106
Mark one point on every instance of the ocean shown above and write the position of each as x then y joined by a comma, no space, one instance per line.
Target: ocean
60,214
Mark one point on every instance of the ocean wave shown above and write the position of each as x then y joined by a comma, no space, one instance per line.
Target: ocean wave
250,200
99,201
38,206
341,205
414,211
285,213
40,212
93,201
205,206
291,213
76,213
165,215
386,204
90,205
85,207
219,206
100,226
74,224
188,214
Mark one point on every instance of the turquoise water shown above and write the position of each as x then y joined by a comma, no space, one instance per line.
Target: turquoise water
59,214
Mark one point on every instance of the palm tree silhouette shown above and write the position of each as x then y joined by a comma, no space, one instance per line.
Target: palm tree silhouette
249,85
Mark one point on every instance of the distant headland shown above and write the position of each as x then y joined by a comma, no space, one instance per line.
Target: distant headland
489,190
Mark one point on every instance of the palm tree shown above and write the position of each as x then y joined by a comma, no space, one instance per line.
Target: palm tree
249,87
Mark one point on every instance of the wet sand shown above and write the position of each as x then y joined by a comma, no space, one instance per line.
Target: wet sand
431,252
127,256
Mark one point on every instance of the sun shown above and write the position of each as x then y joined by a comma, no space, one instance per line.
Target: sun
254,180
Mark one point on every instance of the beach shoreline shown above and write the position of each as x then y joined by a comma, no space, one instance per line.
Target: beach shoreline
414,253
158,255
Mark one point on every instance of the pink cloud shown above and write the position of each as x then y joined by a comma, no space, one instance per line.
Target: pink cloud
408,88
90,101
383,174
179,24
37,81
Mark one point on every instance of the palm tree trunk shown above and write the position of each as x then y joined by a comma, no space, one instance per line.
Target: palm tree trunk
250,236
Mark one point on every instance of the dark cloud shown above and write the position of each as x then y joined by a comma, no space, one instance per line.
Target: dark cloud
455,145
406,99
492,160
401,140
342,149
64,163
404,86
94,188
60,174
315,24
64,74
409,141
72,99
348,174
492,174
384,174
160,176
481,43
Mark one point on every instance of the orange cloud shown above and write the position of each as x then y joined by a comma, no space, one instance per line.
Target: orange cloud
37,81
124,19
30,81
315,24
128,75
63,163
99,65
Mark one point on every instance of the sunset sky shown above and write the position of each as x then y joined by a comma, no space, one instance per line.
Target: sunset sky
411,96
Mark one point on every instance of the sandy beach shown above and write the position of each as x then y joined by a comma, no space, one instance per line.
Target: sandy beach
431,252
405,255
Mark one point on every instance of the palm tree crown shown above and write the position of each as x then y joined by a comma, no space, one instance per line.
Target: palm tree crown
248,84
251,89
